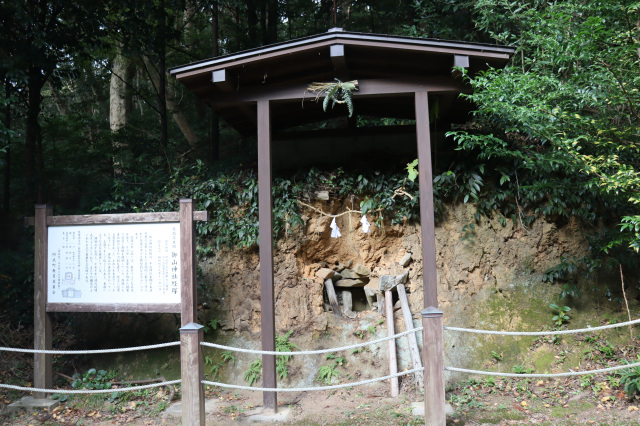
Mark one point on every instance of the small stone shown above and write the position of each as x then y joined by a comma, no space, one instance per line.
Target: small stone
370,291
322,195
325,273
349,263
350,273
362,270
406,259
337,276
349,283
372,287
388,282
347,304
397,306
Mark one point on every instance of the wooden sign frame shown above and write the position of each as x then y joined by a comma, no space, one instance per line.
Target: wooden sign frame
43,219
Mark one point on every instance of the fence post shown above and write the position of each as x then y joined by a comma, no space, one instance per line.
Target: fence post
192,374
42,365
433,350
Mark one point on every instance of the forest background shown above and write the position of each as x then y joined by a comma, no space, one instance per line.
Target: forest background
91,121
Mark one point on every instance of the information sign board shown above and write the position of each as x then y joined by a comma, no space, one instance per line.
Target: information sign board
135,263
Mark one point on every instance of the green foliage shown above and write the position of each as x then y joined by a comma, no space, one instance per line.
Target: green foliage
561,317
214,366
211,325
561,121
228,356
284,345
631,381
232,199
412,170
496,356
93,379
327,372
338,92
253,374
521,369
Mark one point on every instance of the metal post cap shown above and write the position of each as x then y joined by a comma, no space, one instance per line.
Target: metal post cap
191,327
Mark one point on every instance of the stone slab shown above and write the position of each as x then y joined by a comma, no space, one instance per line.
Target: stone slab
29,403
406,259
325,273
361,270
389,282
260,416
350,274
349,283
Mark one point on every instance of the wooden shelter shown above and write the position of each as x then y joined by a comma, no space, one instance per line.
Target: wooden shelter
260,91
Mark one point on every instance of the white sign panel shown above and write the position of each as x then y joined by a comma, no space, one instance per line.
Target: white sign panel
130,263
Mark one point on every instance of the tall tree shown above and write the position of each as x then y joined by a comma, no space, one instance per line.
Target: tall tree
566,112
36,37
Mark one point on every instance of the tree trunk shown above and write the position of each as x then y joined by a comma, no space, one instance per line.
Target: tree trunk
172,106
272,21
120,93
6,196
252,23
215,51
32,134
162,86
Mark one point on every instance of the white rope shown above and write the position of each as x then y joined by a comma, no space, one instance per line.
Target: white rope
96,351
319,351
570,373
73,391
316,388
542,333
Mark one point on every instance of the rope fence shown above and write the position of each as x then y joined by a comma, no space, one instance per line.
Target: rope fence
321,351
89,391
542,333
547,375
314,388
314,352
87,352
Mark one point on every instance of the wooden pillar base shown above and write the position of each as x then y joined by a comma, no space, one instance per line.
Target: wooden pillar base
192,373
434,396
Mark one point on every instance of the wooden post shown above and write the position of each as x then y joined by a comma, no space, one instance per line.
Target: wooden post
380,302
42,368
192,374
413,343
265,237
187,263
333,299
425,181
393,362
433,349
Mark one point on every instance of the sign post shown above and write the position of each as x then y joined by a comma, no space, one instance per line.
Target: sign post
137,262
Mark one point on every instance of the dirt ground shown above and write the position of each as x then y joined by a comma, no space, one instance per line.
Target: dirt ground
476,402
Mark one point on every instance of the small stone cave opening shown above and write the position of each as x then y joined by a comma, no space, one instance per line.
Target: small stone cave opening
358,303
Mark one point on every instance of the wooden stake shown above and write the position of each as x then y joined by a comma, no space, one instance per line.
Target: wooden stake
333,299
413,343
393,362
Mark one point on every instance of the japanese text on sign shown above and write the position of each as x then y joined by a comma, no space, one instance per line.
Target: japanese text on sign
128,263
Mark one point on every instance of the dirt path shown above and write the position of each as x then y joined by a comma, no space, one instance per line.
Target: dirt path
503,402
